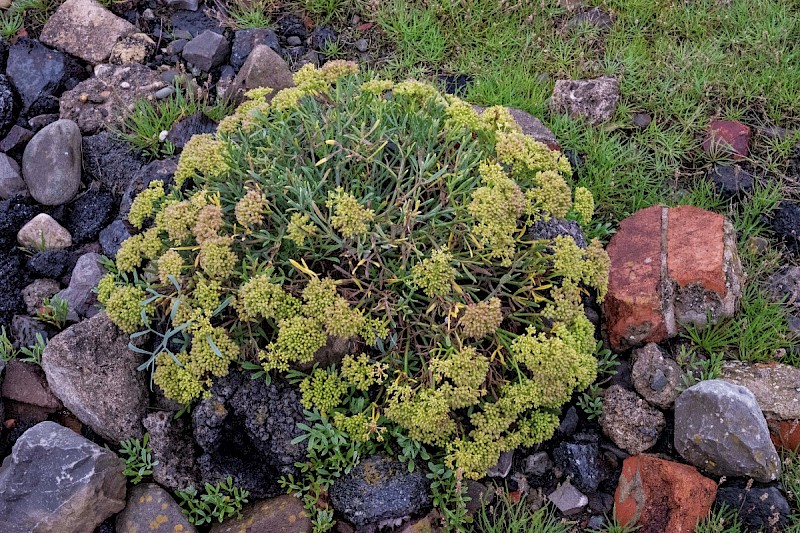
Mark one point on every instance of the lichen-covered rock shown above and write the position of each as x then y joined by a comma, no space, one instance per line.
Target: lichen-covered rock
379,489
656,377
283,514
719,428
173,448
596,100
245,430
774,386
56,480
86,361
151,508
629,421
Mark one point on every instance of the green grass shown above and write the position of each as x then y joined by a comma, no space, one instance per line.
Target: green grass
504,516
722,520
246,14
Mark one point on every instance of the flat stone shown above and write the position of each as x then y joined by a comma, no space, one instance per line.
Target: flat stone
629,421
26,383
37,292
11,182
151,508
774,385
656,377
728,136
660,496
730,180
719,428
93,112
173,447
85,29
263,68
56,480
51,164
44,233
206,51
568,499
79,295
596,100
283,514
83,363
134,48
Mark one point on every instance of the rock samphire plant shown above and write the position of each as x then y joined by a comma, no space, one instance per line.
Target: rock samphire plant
386,218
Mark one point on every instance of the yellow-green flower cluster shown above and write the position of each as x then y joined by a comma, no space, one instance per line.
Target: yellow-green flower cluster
257,102
178,220
357,426
105,288
349,216
498,119
528,156
250,209
361,373
461,114
202,154
589,266
217,258
299,338
434,275
424,413
137,248
417,92
124,308
208,223
333,70
145,203
481,319
466,371
323,390
551,196
343,320
300,227
319,295
176,380
260,298
377,86
169,264
206,296
584,204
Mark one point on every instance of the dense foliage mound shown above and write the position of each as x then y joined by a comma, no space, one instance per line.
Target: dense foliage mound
387,215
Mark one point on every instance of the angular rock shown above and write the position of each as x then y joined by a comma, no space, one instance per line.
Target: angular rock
88,214
151,508
44,233
7,104
206,51
162,170
730,180
582,463
112,237
263,68
100,102
56,480
51,164
760,508
568,499
503,466
283,514
656,377
26,383
110,161
654,289
661,496
379,489
719,428
188,24
85,29
530,126
784,286
37,292
727,136
596,99
245,40
11,182
187,127
538,464
629,421
87,360
172,446
774,386
135,48
79,295
16,140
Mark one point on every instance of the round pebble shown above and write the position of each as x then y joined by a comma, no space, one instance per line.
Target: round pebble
165,92
125,85
361,45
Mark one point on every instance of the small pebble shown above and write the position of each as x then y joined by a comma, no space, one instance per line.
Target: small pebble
165,92
362,45
294,40
163,136
125,85
148,14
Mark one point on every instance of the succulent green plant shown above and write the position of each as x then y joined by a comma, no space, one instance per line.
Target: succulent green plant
387,214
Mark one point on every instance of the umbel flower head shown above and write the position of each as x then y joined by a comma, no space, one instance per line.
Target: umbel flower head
390,219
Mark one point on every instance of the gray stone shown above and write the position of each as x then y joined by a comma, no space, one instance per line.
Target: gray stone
503,466
44,233
11,182
26,331
263,68
188,5
57,481
100,102
784,286
245,40
583,463
294,40
206,51
151,508
641,120
175,47
556,227
51,164
530,126
112,237
79,295
538,464
283,514
719,428
596,100
86,361
164,92
173,448
629,421
657,378
775,386
36,293
361,45
379,489
85,29
730,180
110,161
568,499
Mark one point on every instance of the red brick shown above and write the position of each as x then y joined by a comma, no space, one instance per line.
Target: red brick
633,304
695,246
785,434
730,136
661,496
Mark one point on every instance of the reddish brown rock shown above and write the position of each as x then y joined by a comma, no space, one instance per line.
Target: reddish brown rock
785,434
661,496
633,302
26,383
284,514
730,136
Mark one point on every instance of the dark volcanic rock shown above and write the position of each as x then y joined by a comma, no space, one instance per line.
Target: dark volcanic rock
12,280
14,213
786,224
88,214
49,263
322,37
379,489
289,25
730,180
583,463
245,429
162,170
194,22
7,105
556,227
195,124
760,507
112,237
110,161
245,40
